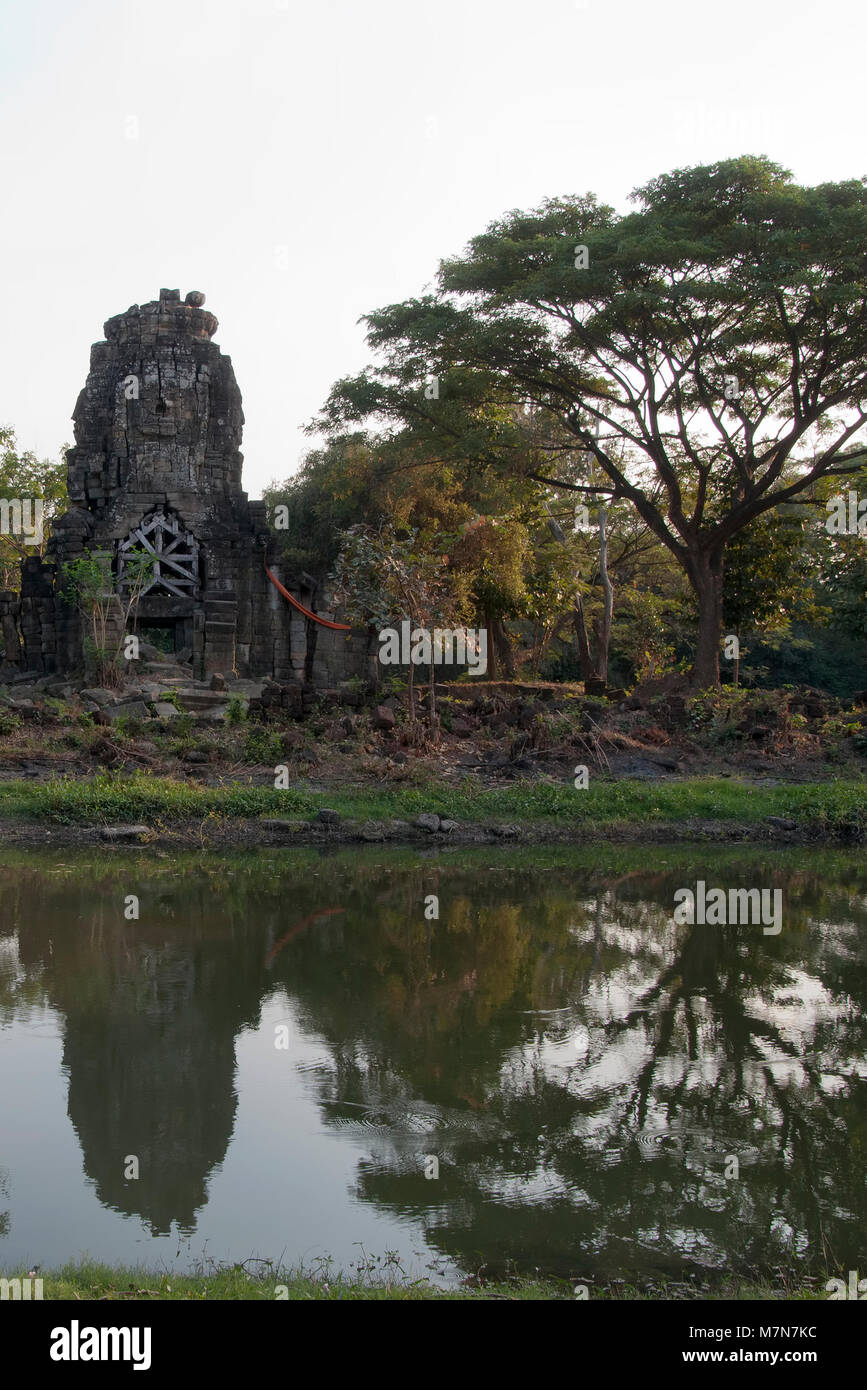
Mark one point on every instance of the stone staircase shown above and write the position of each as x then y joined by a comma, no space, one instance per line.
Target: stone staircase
201,699
166,671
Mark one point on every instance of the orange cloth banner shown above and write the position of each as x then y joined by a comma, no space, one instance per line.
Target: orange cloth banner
323,622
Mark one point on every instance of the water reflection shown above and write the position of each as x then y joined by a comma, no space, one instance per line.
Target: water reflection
605,1092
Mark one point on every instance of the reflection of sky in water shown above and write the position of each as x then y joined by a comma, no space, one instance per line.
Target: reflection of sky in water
580,1067
284,1185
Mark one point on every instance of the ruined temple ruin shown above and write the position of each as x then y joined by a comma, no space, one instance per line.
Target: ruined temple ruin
157,465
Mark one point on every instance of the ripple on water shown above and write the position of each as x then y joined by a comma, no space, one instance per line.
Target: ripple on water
407,1121
694,1143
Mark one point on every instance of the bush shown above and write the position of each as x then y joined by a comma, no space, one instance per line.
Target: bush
261,746
235,712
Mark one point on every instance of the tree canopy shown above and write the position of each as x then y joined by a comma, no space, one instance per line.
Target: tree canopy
707,351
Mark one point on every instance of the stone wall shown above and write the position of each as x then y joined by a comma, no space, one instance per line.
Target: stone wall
157,455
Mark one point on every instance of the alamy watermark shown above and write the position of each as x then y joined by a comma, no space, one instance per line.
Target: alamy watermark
847,516
20,1289
837,1289
444,646
21,517
77,1343
744,907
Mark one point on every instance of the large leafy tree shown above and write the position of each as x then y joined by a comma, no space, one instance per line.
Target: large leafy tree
708,351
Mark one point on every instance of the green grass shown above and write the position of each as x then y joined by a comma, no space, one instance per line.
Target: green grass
261,1280
264,1281
835,809
110,797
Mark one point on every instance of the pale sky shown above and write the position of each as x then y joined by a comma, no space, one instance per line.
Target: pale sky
303,163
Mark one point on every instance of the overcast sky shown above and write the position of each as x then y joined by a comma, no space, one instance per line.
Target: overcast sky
302,163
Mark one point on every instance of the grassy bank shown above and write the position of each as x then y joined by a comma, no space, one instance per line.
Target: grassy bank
830,809
261,1281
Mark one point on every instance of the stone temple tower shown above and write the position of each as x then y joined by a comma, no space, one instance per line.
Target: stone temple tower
157,466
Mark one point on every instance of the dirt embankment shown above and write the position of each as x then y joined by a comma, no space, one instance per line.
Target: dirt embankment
495,737
256,834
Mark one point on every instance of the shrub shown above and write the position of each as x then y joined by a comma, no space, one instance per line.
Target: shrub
263,746
235,712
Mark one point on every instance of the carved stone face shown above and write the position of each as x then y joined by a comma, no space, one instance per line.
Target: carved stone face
158,414
162,428
161,410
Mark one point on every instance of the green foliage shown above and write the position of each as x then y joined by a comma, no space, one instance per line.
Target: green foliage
766,580
394,684
171,697
336,487
382,577
728,272
235,712
836,809
22,476
89,586
111,797
127,727
263,746
382,1279
824,657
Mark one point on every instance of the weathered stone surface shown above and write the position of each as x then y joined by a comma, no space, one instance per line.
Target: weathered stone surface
157,455
428,820
99,696
201,699
383,718
372,831
132,709
462,728
119,833
328,817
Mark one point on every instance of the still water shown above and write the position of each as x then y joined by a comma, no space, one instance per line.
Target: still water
286,1044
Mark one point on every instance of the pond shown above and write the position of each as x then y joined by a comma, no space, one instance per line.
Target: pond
516,1060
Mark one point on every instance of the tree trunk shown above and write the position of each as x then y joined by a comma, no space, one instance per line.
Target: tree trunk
503,648
706,575
603,628
410,690
374,669
534,658
595,666
493,664
585,660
